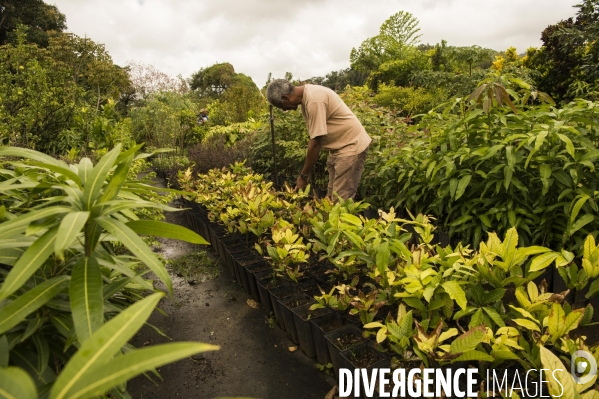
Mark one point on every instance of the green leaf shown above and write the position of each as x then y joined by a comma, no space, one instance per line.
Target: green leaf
86,297
16,311
510,156
137,246
580,223
462,185
117,285
101,378
520,83
97,177
492,313
84,169
577,206
30,154
65,171
167,230
527,324
474,356
456,293
545,171
352,219
569,145
28,263
593,289
573,320
116,181
507,173
100,348
565,388
69,229
556,321
11,228
16,384
453,186
468,341
542,261
355,239
382,257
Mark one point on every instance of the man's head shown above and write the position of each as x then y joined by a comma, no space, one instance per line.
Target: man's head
283,94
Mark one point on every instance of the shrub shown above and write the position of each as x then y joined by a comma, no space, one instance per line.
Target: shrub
214,153
65,295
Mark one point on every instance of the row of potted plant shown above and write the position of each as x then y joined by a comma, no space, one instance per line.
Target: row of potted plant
335,279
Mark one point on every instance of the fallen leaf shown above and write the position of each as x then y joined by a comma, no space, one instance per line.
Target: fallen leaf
252,304
292,348
331,394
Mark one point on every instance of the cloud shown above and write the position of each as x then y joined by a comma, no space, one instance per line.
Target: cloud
308,38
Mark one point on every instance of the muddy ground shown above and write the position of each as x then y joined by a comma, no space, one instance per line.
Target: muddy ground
254,360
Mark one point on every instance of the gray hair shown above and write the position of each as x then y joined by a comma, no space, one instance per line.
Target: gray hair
276,90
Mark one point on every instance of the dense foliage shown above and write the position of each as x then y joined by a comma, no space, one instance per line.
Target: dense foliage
68,297
440,305
490,144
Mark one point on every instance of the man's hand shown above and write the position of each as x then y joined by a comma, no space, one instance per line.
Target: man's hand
300,183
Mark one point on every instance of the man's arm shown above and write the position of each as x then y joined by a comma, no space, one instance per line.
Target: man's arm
311,158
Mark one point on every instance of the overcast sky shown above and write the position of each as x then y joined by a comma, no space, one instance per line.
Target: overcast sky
306,37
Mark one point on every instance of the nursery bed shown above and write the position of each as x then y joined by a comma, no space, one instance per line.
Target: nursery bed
254,359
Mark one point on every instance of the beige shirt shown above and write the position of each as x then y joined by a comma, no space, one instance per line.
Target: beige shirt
328,118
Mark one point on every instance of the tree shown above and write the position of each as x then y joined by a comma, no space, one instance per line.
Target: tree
90,66
569,56
473,56
397,35
35,14
339,80
146,79
214,80
238,102
37,97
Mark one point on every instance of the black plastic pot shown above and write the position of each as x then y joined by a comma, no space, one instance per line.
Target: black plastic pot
336,347
350,355
232,253
307,284
248,239
222,253
250,266
287,305
263,280
280,292
321,326
302,317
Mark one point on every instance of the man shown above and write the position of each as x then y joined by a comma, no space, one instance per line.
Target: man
332,126
203,116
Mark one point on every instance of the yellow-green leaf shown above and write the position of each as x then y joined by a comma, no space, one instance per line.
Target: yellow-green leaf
15,383
69,229
28,263
456,293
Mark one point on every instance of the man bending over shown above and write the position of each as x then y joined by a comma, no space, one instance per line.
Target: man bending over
332,126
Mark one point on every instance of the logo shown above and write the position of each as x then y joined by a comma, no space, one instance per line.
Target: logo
583,367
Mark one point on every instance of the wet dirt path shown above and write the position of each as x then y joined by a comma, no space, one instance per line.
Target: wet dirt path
254,360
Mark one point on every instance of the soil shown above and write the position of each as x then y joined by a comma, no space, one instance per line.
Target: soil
254,360
345,341
297,303
365,358
333,324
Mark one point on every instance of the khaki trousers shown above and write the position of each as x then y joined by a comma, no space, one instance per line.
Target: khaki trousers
344,174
